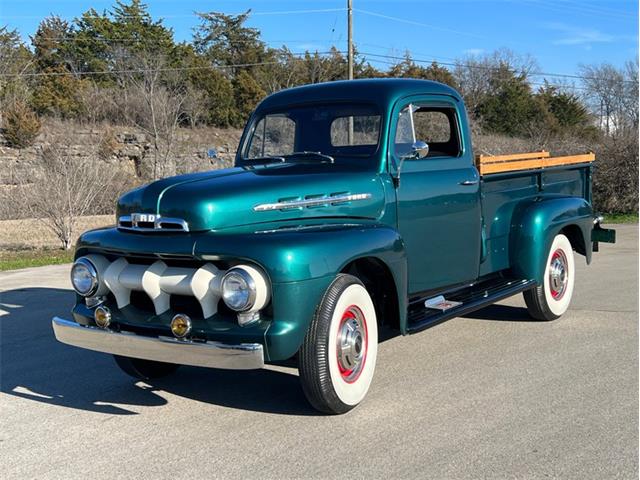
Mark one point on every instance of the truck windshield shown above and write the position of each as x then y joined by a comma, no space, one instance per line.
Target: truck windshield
342,133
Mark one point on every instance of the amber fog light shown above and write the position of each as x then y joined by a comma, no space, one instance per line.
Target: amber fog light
181,325
102,316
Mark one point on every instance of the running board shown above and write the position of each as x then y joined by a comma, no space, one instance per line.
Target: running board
427,313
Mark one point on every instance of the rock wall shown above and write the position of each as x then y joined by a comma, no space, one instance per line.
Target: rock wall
127,149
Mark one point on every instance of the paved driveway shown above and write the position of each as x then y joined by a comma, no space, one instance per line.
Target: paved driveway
492,395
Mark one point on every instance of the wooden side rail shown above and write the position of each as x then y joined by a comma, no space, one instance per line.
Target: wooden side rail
488,164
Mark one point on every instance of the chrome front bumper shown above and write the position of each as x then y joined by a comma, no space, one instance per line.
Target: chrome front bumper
244,356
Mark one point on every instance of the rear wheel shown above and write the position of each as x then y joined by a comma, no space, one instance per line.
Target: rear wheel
338,356
551,299
144,369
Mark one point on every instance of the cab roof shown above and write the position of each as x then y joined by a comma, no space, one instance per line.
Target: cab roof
380,91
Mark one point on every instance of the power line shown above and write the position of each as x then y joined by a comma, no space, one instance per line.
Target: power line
435,58
149,70
191,15
453,63
147,40
542,84
482,67
419,24
568,7
377,57
300,12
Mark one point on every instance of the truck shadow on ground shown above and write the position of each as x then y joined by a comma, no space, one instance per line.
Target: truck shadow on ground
34,366
501,313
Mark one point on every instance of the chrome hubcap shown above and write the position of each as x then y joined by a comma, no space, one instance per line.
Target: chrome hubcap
352,344
558,274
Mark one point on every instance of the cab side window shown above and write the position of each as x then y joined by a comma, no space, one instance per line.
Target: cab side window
437,126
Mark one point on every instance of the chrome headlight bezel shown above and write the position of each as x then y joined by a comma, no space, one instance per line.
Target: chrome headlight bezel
93,273
250,285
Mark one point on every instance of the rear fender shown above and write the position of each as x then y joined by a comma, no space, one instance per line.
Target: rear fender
535,224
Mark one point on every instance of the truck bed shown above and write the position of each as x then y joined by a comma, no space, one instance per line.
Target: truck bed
509,181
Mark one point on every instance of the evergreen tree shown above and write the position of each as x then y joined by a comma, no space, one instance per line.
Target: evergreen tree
57,91
511,107
566,108
224,40
407,68
248,93
114,40
209,88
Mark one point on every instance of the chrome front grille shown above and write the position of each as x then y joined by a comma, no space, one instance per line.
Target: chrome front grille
148,222
159,281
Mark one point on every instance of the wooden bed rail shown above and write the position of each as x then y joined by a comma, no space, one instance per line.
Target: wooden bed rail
488,164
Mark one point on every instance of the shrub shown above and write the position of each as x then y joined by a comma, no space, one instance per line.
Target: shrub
615,181
108,146
21,125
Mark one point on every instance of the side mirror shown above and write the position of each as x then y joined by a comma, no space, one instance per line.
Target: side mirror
419,150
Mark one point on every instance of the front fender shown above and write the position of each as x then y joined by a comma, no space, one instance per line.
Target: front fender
301,263
534,226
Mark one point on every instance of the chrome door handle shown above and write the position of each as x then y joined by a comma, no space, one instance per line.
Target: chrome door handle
469,182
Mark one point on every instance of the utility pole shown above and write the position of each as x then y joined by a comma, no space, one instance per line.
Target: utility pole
350,37
350,60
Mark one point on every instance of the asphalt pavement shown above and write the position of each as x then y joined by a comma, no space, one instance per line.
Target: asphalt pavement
490,395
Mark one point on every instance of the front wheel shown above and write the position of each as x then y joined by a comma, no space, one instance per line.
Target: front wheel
551,299
338,355
144,369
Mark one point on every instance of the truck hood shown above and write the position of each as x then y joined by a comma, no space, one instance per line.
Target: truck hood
246,195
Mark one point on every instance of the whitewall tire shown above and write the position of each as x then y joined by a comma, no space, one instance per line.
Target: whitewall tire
338,357
551,299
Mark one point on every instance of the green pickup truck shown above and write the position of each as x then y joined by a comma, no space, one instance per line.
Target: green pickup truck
352,206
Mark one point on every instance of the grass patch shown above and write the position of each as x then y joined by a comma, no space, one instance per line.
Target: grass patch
620,218
17,256
16,259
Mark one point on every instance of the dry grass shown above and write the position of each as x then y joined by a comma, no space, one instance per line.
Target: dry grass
31,234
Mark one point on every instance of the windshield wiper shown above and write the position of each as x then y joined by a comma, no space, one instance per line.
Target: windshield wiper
263,160
324,157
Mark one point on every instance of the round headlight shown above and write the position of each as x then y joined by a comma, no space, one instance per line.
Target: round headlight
238,290
84,277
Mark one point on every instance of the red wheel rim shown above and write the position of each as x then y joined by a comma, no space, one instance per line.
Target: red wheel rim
352,344
558,274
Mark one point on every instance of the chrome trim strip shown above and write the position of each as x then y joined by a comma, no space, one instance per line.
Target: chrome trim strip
301,228
157,224
312,202
243,356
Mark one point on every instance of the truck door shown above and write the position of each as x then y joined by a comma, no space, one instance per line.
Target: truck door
438,196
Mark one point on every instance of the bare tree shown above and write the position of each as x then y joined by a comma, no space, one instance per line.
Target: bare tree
99,104
64,187
631,86
195,106
612,95
153,101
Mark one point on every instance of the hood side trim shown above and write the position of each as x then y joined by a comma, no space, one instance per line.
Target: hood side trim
324,200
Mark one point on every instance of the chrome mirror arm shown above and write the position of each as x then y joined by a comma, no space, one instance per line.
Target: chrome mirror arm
419,150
